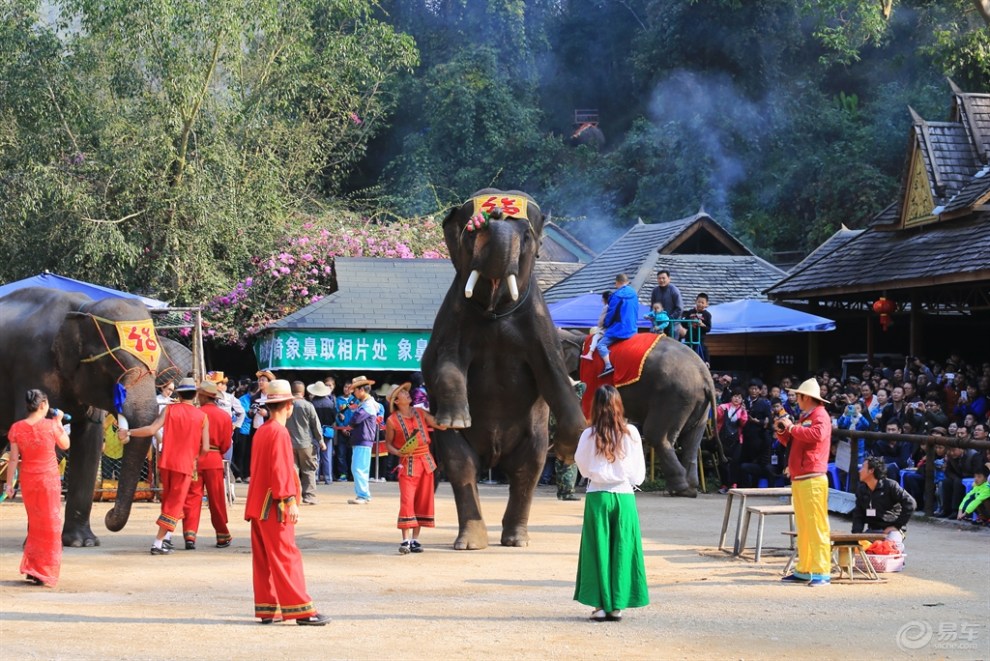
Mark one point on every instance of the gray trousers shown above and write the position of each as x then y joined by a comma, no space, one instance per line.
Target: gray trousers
306,465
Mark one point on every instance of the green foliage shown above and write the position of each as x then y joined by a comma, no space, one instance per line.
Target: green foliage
300,269
159,145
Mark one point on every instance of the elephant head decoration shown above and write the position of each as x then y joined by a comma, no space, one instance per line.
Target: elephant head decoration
89,357
494,364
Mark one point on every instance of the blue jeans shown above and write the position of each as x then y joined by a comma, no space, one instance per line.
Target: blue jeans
324,459
360,468
604,343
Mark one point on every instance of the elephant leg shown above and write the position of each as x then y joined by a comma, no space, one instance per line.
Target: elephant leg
690,443
450,394
461,467
84,461
524,475
661,433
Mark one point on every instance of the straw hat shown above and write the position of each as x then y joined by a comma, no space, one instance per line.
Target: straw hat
279,390
216,377
186,385
209,388
318,389
362,380
395,393
264,373
811,389
385,389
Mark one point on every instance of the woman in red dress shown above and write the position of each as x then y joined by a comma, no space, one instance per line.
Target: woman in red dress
407,436
32,453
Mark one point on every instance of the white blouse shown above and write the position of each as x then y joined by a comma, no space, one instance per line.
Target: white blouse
618,476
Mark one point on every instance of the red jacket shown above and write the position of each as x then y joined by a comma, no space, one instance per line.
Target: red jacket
183,437
809,440
274,480
221,436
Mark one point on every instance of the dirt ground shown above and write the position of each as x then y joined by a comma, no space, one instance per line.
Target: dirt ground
118,602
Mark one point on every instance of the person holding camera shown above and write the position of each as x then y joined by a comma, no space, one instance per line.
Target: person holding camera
32,460
809,440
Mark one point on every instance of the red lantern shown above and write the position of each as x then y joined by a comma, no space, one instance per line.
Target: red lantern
884,307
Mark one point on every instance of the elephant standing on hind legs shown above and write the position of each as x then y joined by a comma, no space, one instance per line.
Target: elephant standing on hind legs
84,354
493,364
669,403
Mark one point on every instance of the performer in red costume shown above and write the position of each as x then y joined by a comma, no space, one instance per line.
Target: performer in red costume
273,510
407,437
32,454
210,472
186,436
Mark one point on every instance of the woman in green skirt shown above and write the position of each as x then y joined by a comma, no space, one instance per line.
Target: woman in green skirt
611,575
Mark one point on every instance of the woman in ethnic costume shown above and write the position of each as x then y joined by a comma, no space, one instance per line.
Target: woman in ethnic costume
611,575
32,459
407,436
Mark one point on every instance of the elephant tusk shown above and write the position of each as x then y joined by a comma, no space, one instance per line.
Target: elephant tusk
513,287
471,282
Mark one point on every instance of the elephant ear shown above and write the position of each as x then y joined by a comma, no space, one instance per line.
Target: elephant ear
452,226
68,345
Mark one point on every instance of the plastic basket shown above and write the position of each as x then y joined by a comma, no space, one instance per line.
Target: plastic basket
884,564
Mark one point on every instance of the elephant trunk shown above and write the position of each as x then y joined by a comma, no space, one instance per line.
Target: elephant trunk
496,258
135,455
140,410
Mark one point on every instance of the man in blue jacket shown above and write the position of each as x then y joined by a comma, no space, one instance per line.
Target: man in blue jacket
621,318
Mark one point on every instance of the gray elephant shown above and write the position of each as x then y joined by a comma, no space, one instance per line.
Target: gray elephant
669,403
79,351
494,364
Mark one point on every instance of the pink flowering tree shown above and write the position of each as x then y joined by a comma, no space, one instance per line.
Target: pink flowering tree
301,270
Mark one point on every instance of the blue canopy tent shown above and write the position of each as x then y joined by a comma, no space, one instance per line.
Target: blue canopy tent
749,316
95,292
583,312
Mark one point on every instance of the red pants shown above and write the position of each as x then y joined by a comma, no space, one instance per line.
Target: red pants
175,486
415,498
279,584
212,478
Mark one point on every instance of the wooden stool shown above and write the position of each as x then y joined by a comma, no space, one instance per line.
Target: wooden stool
851,543
762,511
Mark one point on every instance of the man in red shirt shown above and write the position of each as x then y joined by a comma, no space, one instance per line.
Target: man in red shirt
809,440
186,436
273,510
210,472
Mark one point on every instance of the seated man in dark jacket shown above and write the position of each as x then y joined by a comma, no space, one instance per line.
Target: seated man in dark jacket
881,504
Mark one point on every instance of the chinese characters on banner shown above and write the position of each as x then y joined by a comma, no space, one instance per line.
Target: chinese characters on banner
343,350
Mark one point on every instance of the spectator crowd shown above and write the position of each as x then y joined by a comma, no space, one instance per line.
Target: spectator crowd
949,398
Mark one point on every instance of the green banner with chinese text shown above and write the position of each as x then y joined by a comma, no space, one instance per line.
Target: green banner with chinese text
341,350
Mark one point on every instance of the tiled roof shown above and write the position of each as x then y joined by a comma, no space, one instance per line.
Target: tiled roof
724,278
876,259
378,294
550,273
626,255
974,113
831,244
559,245
977,188
393,294
951,161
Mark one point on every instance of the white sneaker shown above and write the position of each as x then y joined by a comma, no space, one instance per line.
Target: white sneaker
358,501
587,356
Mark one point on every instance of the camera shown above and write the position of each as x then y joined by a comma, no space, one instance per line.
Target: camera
53,413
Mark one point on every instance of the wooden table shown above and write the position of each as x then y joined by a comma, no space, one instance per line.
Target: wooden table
744,494
851,542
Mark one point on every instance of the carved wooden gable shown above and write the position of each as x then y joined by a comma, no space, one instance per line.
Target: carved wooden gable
918,200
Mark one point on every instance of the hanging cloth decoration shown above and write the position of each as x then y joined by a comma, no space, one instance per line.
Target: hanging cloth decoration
119,397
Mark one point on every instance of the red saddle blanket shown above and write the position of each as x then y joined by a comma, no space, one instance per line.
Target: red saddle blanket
627,356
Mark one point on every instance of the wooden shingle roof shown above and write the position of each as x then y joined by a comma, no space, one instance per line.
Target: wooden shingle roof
392,294
700,254
874,260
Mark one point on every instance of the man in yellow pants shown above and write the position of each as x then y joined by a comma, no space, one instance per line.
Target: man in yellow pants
809,439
